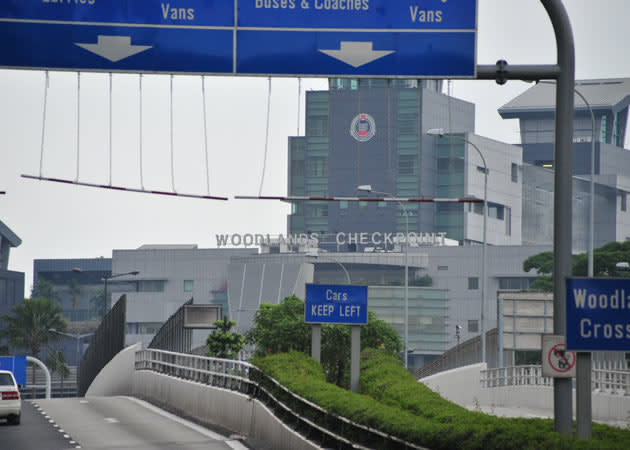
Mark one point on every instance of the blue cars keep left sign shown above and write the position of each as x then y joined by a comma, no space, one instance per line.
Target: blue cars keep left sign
341,304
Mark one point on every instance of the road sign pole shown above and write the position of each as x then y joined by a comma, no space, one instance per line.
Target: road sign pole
355,357
584,393
316,341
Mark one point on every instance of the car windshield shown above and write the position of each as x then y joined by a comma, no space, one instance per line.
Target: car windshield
6,379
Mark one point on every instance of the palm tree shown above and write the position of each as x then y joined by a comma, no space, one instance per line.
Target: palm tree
30,324
44,288
57,364
75,291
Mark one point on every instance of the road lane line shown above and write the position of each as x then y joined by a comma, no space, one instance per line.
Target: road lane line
186,423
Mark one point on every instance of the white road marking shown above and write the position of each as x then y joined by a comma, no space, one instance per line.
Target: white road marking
193,426
111,420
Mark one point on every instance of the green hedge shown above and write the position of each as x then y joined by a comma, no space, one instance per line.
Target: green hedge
392,401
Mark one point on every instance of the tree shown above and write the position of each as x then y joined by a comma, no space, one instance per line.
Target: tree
605,261
98,303
57,364
281,328
29,325
75,291
224,343
44,288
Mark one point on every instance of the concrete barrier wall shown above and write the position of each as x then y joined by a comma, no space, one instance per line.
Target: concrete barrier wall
115,377
215,406
463,386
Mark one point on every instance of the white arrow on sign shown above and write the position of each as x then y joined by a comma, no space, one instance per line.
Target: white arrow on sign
114,48
356,53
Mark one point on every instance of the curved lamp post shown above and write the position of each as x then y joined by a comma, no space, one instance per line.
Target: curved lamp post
438,132
368,188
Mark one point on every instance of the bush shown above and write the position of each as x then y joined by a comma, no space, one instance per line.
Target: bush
392,401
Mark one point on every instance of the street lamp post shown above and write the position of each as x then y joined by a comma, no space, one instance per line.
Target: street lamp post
438,132
368,188
583,389
106,278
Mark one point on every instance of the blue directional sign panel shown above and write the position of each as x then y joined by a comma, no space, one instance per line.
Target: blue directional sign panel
384,38
17,365
341,304
598,314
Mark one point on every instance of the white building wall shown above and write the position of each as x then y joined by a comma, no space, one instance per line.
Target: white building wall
499,158
207,268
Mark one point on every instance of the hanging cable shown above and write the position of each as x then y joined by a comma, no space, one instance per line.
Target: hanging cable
140,133
298,109
78,122
172,143
41,152
110,129
205,131
262,179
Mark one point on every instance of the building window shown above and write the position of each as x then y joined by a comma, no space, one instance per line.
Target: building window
473,283
442,267
514,173
151,286
496,211
317,167
363,205
473,326
508,221
624,199
188,285
407,164
343,204
382,204
318,126
602,136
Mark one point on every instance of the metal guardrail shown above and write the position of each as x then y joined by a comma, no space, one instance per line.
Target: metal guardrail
313,423
608,381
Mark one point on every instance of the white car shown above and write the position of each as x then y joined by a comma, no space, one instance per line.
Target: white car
10,402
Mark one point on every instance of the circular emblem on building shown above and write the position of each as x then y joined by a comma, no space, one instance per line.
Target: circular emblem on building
363,127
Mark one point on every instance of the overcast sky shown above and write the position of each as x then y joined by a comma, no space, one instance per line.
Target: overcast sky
64,221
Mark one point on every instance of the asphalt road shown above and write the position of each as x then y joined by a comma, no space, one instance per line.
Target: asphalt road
108,423
34,432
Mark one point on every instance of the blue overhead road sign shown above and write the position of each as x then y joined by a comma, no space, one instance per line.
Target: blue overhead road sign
598,314
341,304
384,38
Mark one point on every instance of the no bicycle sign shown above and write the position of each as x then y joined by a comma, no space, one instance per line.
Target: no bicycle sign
557,361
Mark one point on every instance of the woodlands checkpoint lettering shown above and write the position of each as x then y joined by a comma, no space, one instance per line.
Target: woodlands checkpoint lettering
376,238
416,14
617,301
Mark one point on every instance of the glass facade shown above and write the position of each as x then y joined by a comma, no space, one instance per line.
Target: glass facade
449,217
427,315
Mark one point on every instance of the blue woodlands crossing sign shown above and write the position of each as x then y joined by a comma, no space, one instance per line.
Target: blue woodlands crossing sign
341,304
384,38
598,314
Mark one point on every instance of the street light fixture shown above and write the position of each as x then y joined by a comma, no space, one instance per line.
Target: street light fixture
78,336
439,132
315,254
106,278
368,188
